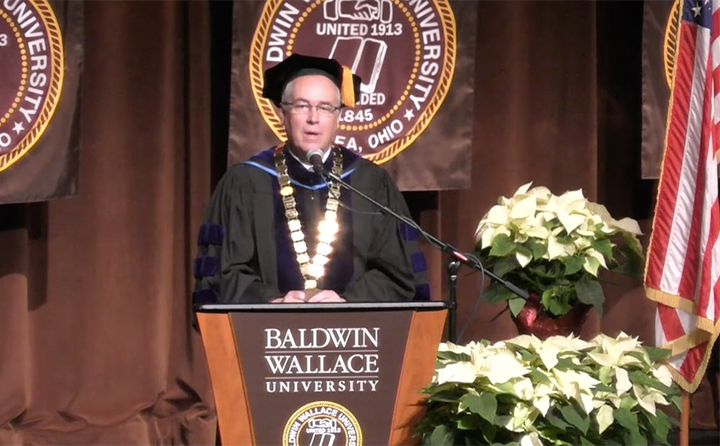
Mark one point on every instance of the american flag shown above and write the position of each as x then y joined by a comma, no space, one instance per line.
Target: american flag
683,262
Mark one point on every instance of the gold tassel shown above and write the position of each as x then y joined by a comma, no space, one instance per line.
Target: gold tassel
347,88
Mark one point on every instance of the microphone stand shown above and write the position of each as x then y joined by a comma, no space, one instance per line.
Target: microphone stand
455,254
453,266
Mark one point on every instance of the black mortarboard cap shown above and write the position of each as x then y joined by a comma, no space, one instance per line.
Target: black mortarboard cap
296,65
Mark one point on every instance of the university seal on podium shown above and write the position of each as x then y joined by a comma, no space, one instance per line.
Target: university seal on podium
404,51
322,423
31,78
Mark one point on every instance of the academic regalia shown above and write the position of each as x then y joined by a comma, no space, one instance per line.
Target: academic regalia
244,250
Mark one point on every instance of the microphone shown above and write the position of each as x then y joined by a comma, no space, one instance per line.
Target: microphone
314,157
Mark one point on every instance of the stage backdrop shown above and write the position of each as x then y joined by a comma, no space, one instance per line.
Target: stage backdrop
415,58
41,55
96,344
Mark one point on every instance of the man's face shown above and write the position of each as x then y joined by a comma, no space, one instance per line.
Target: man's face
310,127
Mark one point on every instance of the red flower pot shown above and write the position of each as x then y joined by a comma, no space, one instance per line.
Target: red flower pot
534,320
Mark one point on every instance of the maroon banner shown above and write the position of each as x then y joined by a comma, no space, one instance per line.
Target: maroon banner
660,27
414,115
41,52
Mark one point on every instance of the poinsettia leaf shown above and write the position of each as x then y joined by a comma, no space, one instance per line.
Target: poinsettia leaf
572,265
548,431
628,403
659,426
640,377
557,270
537,247
502,246
676,401
604,247
558,308
591,265
635,438
639,356
453,356
575,417
605,375
516,304
469,401
489,406
555,304
538,377
537,269
557,422
442,437
488,433
469,423
441,399
504,265
657,354
630,260
527,355
484,404
523,255
565,364
547,297
590,292
625,418
497,293
602,387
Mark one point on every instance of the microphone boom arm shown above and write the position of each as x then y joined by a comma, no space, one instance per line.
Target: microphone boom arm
465,258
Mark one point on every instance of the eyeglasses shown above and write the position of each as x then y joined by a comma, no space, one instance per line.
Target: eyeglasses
303,108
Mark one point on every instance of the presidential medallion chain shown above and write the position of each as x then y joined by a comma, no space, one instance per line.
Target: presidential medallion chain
314,270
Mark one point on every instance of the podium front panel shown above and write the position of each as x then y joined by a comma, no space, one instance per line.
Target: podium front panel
320,374
321,379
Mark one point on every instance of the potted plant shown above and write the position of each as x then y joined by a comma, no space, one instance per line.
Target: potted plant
561,391
554,247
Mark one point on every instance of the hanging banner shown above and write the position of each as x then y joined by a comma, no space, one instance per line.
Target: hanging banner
406,53
41,58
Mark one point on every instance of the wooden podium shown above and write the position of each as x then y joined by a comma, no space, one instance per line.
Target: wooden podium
320,374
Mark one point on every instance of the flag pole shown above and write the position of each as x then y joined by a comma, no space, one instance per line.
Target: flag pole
685,420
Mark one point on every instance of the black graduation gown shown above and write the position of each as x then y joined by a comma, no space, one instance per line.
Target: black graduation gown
244,249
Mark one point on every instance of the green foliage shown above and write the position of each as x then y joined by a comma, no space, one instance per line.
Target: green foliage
562,391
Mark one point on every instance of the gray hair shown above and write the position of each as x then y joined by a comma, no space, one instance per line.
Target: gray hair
288,88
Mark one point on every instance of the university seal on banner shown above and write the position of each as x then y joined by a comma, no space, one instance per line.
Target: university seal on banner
322,423
31,78
404,51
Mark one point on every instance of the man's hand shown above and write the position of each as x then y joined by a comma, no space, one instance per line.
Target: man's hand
326,296
292,297
298,297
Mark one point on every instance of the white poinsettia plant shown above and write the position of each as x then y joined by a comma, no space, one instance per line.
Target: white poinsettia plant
553,247
561,391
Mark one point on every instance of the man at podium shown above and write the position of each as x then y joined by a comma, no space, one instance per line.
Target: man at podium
275,231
